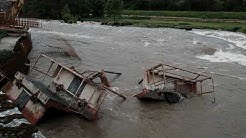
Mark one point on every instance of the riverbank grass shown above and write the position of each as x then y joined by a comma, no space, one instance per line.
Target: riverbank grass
227,21
189,14
226,26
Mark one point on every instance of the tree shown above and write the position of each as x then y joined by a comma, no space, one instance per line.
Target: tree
97,7
67,16
66,10
83,8
217,5
113,8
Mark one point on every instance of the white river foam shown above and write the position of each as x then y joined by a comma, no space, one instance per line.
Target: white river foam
238,39
229,57
233,39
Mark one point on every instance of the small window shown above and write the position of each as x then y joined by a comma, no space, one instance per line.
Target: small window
81,88
22,100
73,87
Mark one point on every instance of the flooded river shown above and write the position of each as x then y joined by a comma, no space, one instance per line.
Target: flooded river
130,50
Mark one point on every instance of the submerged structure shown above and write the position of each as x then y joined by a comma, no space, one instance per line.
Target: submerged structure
169,83
58,87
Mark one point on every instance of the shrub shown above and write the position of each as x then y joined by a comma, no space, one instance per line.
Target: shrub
67,17
184,23
5,55
3,34
113,8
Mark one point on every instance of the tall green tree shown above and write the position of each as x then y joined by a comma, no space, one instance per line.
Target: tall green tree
113,8
67,16
217,5
83,8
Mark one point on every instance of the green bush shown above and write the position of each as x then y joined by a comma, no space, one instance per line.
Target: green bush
184,23
236,28
190,14
139,18
3,34
68,18
113,8
243,30
5,55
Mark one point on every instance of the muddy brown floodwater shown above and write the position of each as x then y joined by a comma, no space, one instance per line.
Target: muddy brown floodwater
130,50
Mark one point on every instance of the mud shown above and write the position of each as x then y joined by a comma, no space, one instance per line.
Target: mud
130,50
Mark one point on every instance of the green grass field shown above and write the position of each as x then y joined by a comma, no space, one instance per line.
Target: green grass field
232,26
190,14
228,21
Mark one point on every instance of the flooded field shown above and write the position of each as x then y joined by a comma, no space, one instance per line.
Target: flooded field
130,50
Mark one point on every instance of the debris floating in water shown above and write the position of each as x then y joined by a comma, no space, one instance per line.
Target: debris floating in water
169,83
59,87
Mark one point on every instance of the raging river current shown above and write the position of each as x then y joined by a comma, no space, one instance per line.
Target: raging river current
130,50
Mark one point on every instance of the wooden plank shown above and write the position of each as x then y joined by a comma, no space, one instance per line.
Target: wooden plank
111,72
186,71
119,94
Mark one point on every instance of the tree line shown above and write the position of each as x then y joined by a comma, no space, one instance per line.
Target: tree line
55,9
78,9
187,5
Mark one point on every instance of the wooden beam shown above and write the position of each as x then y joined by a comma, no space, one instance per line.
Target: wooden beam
119,94
111,72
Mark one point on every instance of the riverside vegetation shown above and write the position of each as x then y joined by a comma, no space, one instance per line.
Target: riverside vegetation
226,15
3,34
228,21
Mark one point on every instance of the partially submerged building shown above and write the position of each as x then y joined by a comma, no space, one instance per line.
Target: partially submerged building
170,83
58,87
